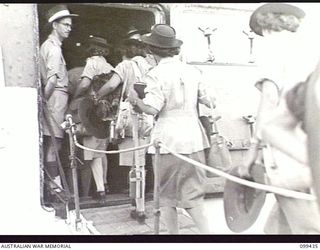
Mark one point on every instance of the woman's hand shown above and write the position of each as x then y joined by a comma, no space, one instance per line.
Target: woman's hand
133,96
244,171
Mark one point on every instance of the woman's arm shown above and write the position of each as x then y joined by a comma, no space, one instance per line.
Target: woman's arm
83,86
280,132
109,86
268,102
204,97
135,101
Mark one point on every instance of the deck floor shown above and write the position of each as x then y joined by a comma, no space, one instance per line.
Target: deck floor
116,220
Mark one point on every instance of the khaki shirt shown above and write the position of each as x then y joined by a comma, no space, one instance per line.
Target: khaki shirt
52,63
173,88
96,65
131,71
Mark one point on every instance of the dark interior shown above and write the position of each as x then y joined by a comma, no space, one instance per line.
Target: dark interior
111,23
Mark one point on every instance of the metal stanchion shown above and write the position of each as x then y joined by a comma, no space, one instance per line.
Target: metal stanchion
156,188
72,157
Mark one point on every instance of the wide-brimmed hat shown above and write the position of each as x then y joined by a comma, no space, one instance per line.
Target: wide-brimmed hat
57,12
242,204
89,119
162,36
280,8
100,42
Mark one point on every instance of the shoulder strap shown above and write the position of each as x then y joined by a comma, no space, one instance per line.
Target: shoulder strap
136,69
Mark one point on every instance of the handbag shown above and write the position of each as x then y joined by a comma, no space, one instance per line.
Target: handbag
218,155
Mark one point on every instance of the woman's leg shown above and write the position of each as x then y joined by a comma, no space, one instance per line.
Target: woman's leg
96,166
197,214
105,168
170,216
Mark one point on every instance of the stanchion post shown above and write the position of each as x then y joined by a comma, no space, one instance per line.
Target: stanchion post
73,166
156,189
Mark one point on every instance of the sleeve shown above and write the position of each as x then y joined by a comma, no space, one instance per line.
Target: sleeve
89,70
153,93
259,83
203,91
269,70
120,70
109,68
53,62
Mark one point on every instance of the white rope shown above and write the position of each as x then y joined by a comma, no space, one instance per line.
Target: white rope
112,151
272,189
277,190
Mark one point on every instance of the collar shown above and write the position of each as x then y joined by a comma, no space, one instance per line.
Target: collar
55,40
168,60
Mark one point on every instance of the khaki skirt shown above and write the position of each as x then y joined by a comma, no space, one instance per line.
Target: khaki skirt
181,183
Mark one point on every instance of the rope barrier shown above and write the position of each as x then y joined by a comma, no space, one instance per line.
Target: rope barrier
158,145
273,189
112,151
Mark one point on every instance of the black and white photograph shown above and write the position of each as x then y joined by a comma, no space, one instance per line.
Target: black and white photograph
160,119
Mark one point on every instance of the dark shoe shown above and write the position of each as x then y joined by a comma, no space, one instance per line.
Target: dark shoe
107,189
133,202
101,197
139,216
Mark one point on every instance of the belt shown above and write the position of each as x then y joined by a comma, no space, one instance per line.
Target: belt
186,113
62,89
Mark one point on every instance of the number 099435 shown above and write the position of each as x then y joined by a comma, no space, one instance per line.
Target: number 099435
309,245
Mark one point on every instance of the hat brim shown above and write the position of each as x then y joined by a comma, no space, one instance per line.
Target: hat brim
63,16
130,41
242,204
283,8
103,46
176,43
92,123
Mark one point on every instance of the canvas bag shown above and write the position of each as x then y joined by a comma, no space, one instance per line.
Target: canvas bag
124,119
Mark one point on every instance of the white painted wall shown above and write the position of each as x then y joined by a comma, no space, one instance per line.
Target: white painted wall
20,210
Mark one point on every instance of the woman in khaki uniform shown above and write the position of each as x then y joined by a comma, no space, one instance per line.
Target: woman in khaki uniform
96,64
278,24
172,93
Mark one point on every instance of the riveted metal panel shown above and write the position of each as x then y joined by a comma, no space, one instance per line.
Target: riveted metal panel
19,42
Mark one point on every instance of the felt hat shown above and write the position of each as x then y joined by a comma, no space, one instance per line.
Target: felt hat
242,204
57,12
280,8
89,119
133,36
97,42
162,36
